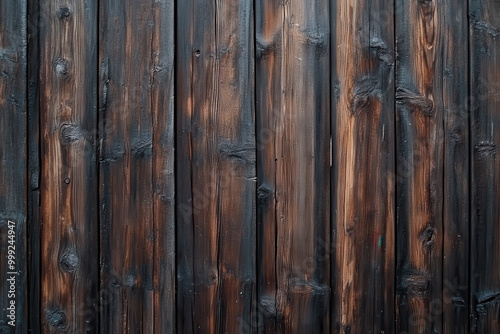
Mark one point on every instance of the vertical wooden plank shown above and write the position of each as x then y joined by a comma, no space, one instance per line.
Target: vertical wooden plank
68,181
293,107
268,102
364,163
163,82
34,225
216,166
13,167
420,165
485,140
432,136
454,76
136,166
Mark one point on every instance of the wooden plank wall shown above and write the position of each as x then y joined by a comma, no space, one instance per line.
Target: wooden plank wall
363,162
250,166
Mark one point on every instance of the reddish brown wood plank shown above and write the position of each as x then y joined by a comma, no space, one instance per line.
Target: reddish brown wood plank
433,190
13,167
68,181
136,164
215,167
485,174
293,132
364,165
420,150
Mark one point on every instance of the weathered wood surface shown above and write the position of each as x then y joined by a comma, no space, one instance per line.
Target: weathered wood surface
485,175
453,37
136,166
293,105
419,141
68,179
216,182
363,165
13,166
244,166
432,159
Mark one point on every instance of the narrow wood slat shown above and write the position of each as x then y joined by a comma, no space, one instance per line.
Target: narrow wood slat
13,167
364,165
68,180
419,140
485,174
34,226
432,149
136,166
453,39
293,135
215,167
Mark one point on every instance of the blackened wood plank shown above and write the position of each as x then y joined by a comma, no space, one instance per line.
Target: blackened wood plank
453,41
364,166
136,166
215,167
68,179
485,174
34,263
13,167
293,107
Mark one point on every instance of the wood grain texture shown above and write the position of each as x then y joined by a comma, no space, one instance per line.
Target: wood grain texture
485,175
433,153
68,180
215,167
456,222
13,166
364,165
136,166
432,185
293,135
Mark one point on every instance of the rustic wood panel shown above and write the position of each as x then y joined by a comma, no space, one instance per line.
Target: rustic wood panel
215,167
485,174
136,166
363,163
13,167
244,166
68,180
293,134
